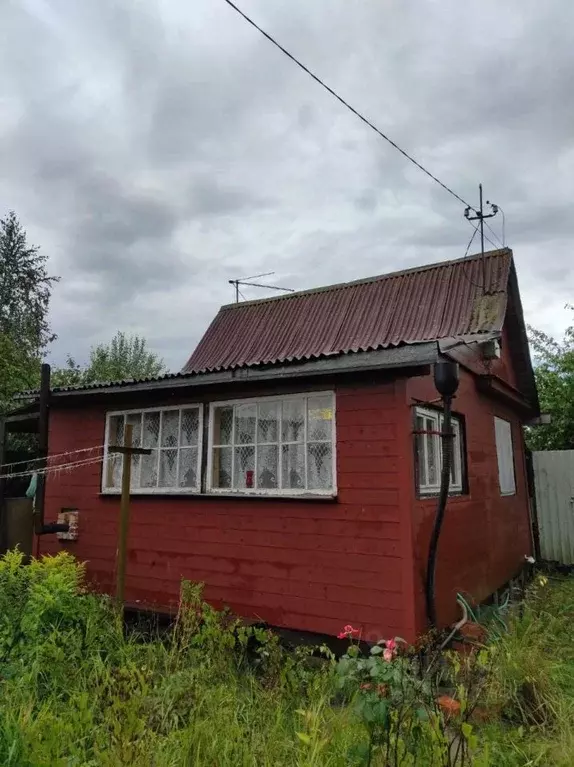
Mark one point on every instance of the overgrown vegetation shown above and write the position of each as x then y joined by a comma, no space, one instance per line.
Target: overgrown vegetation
125,356
75,689
554,371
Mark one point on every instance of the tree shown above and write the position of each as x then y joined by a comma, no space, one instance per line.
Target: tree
126,356
554,371
25,291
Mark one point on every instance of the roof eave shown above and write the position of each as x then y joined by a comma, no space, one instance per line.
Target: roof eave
407,357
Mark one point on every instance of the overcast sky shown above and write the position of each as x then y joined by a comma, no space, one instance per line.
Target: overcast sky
155,149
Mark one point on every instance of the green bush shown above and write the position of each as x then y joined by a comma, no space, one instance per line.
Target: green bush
76,690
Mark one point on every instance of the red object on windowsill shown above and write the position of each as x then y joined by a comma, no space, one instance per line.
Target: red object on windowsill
249,478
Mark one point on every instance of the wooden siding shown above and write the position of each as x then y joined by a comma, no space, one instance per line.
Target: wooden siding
300,564
485,535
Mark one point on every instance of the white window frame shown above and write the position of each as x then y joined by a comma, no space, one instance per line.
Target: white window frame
504,455
278,491
155,490
429,489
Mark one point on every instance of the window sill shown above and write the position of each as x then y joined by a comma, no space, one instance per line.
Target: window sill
315,498
455,495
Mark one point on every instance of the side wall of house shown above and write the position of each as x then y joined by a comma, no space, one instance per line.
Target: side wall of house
485,535
302,564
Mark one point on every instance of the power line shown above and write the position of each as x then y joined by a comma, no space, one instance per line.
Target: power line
476,229
470,242
501,240
463,269
345,103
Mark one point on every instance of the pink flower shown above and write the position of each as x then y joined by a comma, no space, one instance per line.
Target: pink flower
388,655
391,645
348,632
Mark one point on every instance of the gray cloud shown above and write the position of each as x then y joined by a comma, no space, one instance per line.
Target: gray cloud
157,150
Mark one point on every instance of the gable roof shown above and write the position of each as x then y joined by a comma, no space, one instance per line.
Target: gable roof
427,303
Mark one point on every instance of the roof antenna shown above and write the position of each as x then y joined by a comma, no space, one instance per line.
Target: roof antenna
246,281
480,216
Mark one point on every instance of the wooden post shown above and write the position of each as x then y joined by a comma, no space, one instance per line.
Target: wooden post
124,518
127,450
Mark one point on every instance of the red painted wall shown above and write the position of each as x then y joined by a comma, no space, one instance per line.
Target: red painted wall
485,535
300,564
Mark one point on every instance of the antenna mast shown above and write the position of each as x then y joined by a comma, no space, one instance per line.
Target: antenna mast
480,216
247,281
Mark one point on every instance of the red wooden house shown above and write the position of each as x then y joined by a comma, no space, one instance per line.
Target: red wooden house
295,460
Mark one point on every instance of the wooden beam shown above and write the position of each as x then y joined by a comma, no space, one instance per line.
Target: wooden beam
127,450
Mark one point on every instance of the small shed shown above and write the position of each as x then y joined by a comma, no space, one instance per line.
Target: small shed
295,460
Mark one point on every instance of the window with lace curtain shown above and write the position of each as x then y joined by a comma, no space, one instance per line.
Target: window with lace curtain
174,437
283,445
428,427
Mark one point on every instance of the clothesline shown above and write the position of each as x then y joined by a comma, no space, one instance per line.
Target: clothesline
51,457
54,469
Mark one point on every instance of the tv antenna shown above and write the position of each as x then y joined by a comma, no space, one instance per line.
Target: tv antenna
247,281
480,216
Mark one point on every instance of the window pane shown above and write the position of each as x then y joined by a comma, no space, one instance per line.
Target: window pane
169,428
320,419
135,420
245,417
114,471
190,427
115,438
135,472
267,466
167,468
150,429
148,476
116,430
505,453
432,444
293,467
222,425
188,467
293,420
221,467
455,477
267,422
244,467
319,471
420,447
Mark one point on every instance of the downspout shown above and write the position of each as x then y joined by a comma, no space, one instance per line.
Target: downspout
446,382
40,528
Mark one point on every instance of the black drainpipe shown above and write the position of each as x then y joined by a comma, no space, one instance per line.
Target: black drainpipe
43,421
446,382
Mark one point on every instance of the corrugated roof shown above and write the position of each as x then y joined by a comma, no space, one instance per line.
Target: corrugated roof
423,304
93,385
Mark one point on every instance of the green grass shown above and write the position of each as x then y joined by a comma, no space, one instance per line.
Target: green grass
531,684
77,691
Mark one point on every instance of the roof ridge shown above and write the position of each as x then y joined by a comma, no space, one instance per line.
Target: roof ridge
364,280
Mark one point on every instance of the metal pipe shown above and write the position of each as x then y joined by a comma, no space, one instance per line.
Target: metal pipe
40,528
446,439
43,422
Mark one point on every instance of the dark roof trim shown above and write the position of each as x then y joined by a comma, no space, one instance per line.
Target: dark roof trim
411,356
